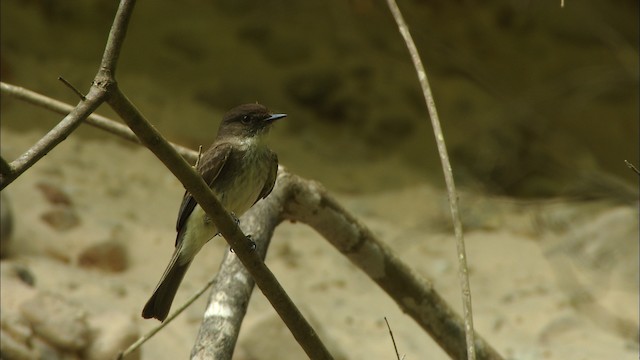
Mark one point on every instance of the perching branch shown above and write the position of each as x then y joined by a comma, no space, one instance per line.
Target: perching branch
104,88
233,286
463,275
264,278
414,295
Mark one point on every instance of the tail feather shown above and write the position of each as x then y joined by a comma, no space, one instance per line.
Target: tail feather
159,304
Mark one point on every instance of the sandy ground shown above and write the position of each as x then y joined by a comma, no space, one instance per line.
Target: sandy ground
520,255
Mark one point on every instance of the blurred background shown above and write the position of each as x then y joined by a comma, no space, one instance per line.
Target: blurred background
535,100
539,106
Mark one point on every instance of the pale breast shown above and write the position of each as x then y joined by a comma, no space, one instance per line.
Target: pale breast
243,177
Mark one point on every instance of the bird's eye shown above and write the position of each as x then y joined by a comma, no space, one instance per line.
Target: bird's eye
245,119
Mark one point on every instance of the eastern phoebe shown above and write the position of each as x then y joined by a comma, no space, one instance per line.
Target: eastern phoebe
240,169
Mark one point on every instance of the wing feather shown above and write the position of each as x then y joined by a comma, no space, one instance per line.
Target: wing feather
215,159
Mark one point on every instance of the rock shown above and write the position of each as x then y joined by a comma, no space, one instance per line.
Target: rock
111,333
13,348
109,256
6,224
54,194
47,351
61,218
57,321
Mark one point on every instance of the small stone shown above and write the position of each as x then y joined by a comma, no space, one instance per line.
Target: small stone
13,348
111,334
57,321
108,256
54,194
61,218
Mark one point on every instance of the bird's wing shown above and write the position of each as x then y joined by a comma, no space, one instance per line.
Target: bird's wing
209,170
271,179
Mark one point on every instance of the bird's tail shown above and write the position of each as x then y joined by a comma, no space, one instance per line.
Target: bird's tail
159,304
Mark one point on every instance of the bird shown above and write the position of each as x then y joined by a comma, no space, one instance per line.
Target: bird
240,169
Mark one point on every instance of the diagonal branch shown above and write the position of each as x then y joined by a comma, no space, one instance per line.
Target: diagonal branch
243,247
55,136
96,96
426,306
99,121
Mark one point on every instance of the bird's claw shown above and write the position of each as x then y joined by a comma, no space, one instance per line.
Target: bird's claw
252,244
235,218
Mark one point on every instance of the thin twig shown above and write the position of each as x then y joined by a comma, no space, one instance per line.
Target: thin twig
465,288
54,137
96,120
395,347
168,320
630,166
230,295
195,166
73,88
96,96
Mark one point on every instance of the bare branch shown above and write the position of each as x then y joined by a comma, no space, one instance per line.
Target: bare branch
632,167
5,168
232,289
116,39
97,94
144,338
96,120
55,136
463,275
308,202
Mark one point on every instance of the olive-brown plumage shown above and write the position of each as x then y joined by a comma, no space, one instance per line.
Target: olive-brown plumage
240,170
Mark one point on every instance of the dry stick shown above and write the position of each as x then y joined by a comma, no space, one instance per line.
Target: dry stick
264,278
54,137
96,96
144,338
412,293
630,166
5,168
308,202
229,298
448,176
395,347
96,120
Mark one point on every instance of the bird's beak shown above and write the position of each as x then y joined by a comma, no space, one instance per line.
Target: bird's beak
274,117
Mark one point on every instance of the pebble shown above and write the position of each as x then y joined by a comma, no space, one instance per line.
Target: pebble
57,321
112,334
109,255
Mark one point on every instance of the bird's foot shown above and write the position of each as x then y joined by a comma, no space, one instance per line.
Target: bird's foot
252,244
235,218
